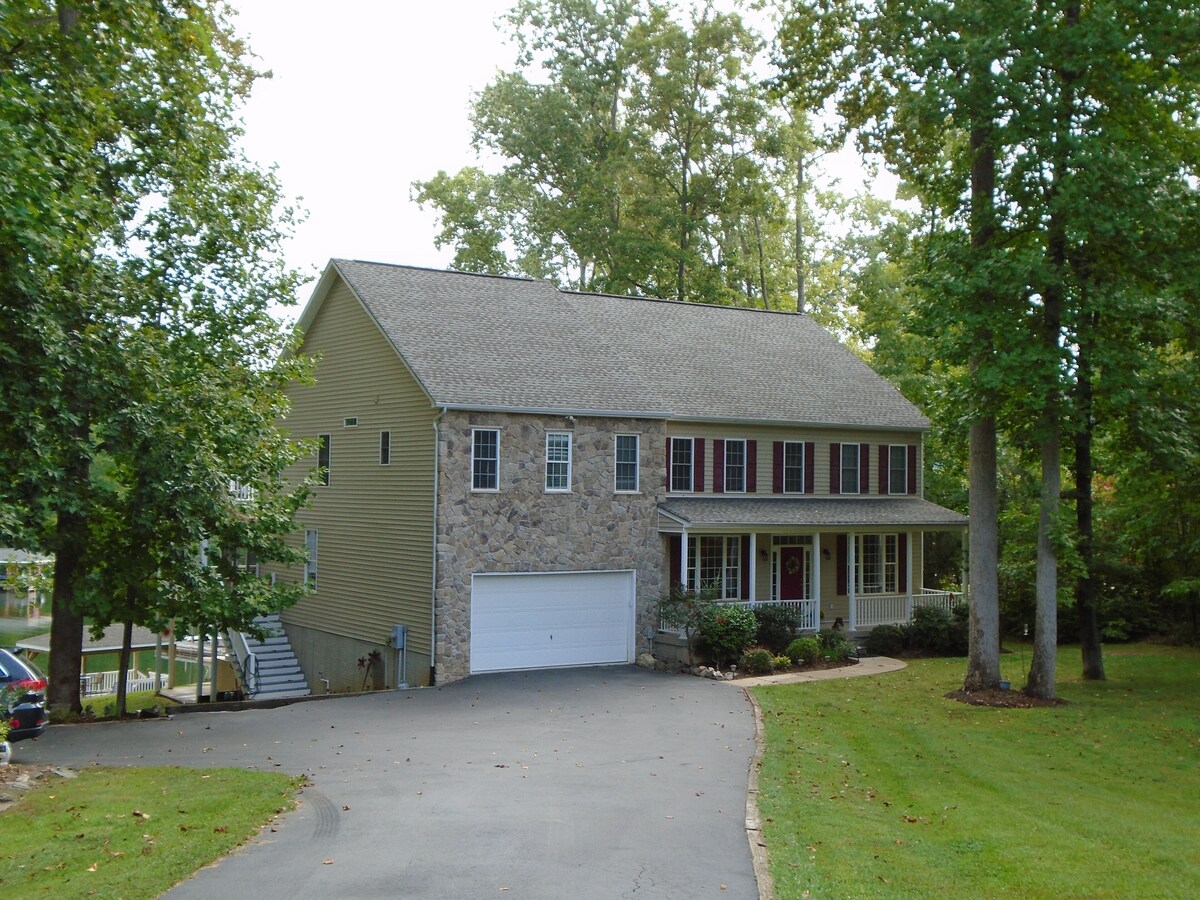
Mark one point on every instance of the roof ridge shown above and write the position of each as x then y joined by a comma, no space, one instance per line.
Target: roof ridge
373,262
689,303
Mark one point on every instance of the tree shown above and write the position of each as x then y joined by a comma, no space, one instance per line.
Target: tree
138,260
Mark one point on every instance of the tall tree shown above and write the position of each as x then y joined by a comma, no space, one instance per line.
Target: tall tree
128,212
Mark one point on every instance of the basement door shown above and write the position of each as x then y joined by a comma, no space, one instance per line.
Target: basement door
551,620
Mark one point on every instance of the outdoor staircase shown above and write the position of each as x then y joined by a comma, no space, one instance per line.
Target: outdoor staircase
274,673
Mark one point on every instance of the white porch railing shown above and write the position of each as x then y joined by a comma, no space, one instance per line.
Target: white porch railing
809,610
896,609
93,684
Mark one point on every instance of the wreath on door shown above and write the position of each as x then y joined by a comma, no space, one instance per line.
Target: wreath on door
792,566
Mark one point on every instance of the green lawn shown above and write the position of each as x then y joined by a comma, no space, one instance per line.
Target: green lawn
880,787
132,832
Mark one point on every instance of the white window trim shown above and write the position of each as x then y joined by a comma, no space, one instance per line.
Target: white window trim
637,464
485,490
857,469
745,465
731,558
691,488
803,463
891,486
883,564
566,489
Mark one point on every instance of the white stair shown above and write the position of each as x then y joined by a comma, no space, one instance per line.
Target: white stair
279,675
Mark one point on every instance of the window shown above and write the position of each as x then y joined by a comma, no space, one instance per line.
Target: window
323,451
876,562
898,469
385,448
558,461
627,464
735,467
849,463
681,464
485,459
793,467
718,566
350,422
310,564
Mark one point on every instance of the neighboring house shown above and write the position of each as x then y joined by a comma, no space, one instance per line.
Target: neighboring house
513,473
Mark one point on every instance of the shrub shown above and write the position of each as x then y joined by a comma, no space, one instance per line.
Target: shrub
777,626
804,651
727,630
685,610
885,640
757,661
782,662
835,645
930,631
960,630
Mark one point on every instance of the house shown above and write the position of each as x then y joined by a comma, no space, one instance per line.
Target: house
513,475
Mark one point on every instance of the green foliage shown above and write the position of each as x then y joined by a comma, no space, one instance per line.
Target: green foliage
940,790
885,640
804,651
135,832
777,626
726,630
757,661
686,610
781,663
836,646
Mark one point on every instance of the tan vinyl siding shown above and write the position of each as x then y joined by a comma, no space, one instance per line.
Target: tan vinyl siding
821,438
374,522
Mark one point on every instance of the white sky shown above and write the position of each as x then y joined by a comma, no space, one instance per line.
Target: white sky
367,97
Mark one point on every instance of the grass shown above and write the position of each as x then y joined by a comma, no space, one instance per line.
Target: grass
105,706
132,832
880,787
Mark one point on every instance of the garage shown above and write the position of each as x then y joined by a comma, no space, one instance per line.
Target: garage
545,621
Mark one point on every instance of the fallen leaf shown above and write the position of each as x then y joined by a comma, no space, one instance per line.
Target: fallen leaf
92,867
328,862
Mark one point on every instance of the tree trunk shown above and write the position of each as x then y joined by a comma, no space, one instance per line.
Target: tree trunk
983,658
1042,670
123,667
1085,586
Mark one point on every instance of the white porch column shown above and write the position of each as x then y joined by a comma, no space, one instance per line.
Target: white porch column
908,570
850,564
753,567
683,559
815,587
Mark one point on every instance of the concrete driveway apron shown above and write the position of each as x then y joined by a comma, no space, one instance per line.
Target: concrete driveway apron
579,783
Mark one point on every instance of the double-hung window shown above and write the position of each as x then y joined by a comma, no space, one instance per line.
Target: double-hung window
898,469
849,466
485,459
681,464
310,562
876,563
626,479
558,461
793,467
324,442
715,564
735,467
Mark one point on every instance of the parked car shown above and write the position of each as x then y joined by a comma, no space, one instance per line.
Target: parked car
23,694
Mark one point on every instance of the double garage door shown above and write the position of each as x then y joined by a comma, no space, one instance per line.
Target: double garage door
547,621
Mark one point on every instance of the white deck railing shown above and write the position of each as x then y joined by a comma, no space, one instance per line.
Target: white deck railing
93,684
809,610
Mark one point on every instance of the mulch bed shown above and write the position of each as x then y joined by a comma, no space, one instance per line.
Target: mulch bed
1001,699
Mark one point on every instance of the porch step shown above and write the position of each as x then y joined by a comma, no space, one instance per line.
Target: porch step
279,673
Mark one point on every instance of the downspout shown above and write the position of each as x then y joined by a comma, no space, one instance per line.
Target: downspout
437,455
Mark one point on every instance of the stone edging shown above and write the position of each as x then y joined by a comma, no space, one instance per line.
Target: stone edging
758,848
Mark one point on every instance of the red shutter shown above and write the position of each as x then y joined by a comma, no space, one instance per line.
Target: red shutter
667,479
841,566
902,563
777,468
676,543
884,469
751,467
864,468
698,466
810,467
835,468
745,567
718,466
912,468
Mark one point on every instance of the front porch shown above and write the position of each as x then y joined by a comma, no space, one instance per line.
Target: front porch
851,564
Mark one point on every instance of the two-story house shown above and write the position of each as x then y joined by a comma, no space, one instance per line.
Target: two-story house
517,474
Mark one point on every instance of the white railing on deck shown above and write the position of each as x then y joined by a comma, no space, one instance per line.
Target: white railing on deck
94,684
809,610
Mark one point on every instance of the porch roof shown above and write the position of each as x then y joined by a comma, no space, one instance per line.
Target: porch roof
109,642
791,512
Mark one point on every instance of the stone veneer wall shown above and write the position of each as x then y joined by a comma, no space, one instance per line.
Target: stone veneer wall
522,528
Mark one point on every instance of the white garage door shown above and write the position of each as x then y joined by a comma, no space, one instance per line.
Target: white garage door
551,620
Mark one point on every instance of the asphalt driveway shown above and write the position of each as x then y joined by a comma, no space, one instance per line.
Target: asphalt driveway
581,783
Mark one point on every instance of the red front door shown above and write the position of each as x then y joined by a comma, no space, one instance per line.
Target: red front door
794,574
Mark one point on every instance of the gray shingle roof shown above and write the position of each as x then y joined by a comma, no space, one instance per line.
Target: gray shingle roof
478,341
737,512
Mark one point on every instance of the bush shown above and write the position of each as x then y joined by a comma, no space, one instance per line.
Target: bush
757,661
836,646
727,630
782,662
885,640
777,626
804,651
930,630
960,630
